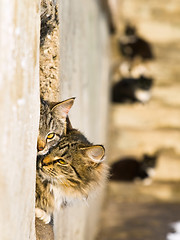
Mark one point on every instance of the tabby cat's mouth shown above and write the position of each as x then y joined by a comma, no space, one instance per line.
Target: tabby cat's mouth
43,152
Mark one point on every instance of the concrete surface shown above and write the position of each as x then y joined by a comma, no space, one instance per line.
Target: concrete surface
84,74
138,212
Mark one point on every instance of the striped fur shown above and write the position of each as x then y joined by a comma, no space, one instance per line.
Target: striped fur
74,169
52,121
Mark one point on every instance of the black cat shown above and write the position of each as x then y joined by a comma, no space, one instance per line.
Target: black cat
132,90
129,169
131,45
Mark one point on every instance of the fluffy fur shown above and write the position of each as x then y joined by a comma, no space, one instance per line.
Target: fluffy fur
72,170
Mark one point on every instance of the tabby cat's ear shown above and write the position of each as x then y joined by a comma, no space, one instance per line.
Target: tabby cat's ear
69,125
96,153
61,109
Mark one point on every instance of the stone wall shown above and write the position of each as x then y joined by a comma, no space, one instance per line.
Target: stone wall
19,115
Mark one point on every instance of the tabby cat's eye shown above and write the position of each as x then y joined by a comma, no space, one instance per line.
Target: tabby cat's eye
61,161
50,135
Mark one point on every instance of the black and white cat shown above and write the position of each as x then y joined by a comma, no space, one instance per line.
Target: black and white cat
129,168
131,45
132,90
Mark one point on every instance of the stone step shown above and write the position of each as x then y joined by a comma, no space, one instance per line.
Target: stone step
137,142
168,166
156,22
168,96
165,68
158,32
146,117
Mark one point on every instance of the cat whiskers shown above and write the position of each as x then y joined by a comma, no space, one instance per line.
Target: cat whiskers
62,181
52,172
56,176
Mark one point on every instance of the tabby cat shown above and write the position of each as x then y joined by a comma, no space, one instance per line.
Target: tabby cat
72,170
52,123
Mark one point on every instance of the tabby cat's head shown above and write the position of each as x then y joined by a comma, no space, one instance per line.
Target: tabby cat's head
52,123
75,165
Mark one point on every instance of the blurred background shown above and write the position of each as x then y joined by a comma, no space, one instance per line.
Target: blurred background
143,197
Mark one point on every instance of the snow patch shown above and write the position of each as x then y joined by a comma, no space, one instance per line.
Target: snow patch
176,235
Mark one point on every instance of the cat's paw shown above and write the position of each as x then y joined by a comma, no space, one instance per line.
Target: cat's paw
42,215
147,181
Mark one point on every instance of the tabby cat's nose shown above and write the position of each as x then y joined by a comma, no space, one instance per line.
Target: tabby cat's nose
40,145
40,148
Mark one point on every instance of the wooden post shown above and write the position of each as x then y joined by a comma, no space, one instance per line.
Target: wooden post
19,116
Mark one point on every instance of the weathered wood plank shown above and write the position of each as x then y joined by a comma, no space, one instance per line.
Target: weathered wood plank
19,103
